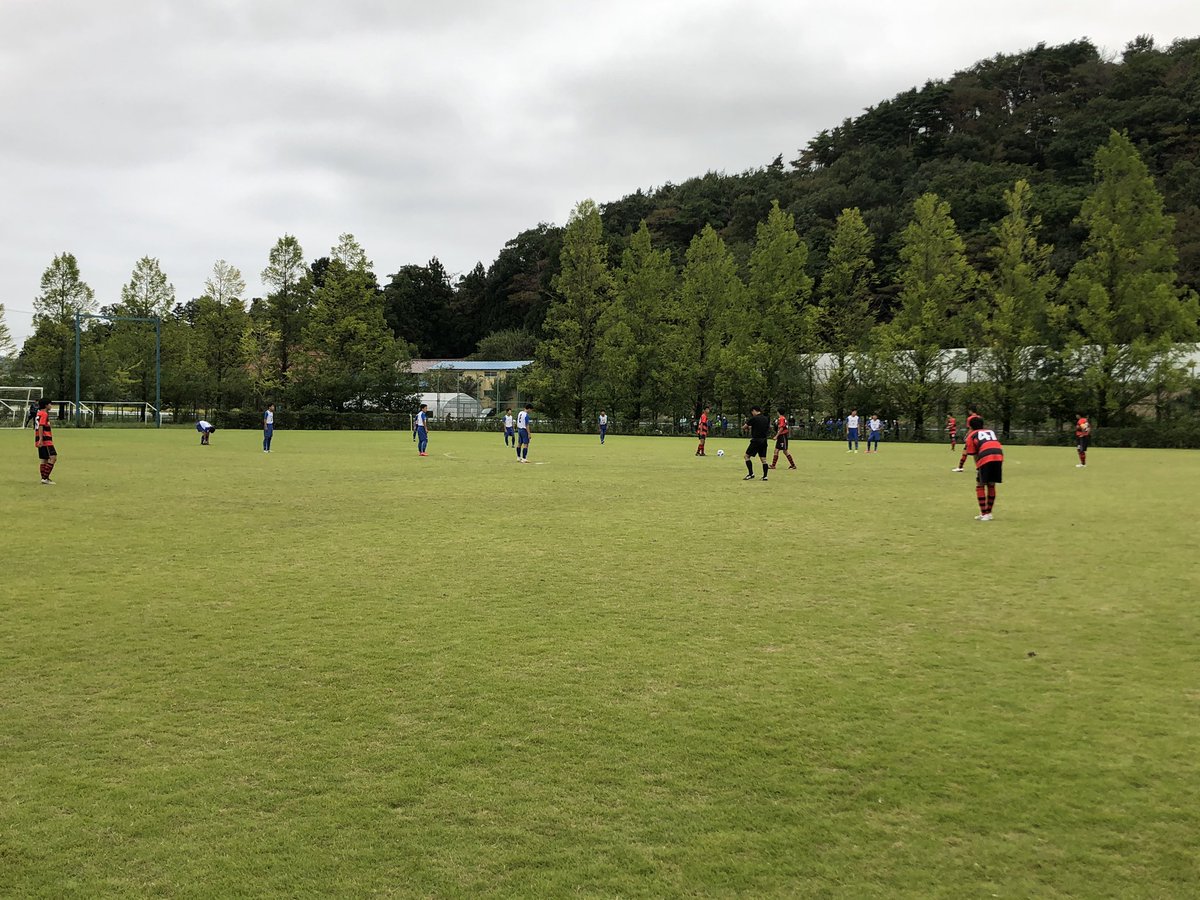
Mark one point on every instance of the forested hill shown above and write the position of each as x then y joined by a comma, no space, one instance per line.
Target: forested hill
1038,115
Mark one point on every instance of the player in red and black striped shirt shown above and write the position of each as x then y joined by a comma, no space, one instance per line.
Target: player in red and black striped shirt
962,460
702,432
43,439
1083,437
952,427
783,431
983,444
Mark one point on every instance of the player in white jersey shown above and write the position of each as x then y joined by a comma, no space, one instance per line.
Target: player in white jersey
205,428
268,426
852,432
523,434
603,425
874,426
422,428
509,433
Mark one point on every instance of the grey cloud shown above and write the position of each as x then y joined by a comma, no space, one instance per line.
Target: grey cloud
204,130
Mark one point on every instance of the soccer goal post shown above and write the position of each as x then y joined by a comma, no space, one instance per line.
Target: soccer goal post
15,402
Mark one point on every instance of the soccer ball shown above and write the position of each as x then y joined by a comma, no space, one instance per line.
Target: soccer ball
720,453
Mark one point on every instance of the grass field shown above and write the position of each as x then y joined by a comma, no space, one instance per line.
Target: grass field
340,669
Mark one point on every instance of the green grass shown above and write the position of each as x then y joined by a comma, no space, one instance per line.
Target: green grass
343,670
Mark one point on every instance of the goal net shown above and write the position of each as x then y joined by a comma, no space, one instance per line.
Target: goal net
15,403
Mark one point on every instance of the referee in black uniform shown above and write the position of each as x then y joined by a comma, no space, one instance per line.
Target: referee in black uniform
759,427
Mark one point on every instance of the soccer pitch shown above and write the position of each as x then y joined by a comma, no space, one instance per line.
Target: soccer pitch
341,669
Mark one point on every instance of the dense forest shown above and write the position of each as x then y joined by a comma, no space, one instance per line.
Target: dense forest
914,228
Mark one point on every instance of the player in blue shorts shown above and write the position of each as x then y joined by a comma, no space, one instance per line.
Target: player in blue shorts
510,435
523,434
603,425
874,427
423,429
852,432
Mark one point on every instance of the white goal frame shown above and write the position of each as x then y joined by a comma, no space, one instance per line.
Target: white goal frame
14,404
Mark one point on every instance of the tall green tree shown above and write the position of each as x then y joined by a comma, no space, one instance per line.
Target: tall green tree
419,305
845,296
935,280
49,353
219,325
565,368
1123,292
518,289
290,299
148,292
260,352
225,284
1011,319
710,340
130,345
187,382
7,347
507,344
351,358
783,319
632,327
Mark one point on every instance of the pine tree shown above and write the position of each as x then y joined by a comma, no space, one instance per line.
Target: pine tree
935,280
1012,316
351,357
845,305
49,353
148,292
7,347
130,346
632,326
1123,292
290,300
710,344
219,326
565,368
782,318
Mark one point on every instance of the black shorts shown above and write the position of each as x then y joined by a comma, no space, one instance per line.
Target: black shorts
757,447
1082,443
45,452
781,442
990,473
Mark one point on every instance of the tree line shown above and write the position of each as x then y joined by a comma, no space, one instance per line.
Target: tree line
646,337
951,157
320,337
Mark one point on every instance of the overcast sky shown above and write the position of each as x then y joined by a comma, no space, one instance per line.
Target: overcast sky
200,130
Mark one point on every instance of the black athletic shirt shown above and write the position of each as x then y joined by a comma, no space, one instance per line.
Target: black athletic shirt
760,427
